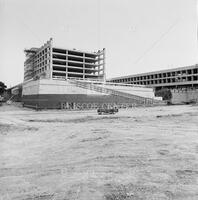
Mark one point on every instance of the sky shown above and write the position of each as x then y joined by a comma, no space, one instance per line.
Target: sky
139,35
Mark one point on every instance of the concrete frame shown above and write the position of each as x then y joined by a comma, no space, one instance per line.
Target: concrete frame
170,78
52,62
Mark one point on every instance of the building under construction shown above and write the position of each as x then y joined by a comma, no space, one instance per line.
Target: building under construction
72,79
58,63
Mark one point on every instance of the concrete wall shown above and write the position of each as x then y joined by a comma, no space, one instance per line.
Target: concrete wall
30,87
47,86
184,96
62,87
55,101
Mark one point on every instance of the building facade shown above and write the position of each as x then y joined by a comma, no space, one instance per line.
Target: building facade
71,79
52,62
182,77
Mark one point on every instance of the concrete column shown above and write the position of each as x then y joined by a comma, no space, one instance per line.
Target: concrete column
51,46
104,60
98,57
66,64
83,65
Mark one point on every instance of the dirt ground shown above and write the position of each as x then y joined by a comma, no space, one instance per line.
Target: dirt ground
136,154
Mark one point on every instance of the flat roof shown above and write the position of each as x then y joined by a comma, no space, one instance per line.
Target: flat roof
37,49
157,72
78,50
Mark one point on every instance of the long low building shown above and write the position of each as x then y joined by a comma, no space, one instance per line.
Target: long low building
171,78
182,82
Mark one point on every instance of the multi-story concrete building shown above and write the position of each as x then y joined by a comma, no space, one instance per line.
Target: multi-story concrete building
170,78
52,75
182,82
52,62
68,78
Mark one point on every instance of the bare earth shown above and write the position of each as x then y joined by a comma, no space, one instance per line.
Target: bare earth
141,153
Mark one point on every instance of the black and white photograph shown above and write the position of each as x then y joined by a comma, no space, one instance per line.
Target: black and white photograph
98,99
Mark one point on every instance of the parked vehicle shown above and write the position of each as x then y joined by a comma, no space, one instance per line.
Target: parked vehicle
107,110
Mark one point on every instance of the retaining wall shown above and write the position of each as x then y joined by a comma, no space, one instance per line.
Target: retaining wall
182,96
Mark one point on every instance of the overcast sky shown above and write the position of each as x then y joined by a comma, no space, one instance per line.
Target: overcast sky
139,35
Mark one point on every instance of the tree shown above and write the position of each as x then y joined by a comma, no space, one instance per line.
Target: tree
2,87
164,93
